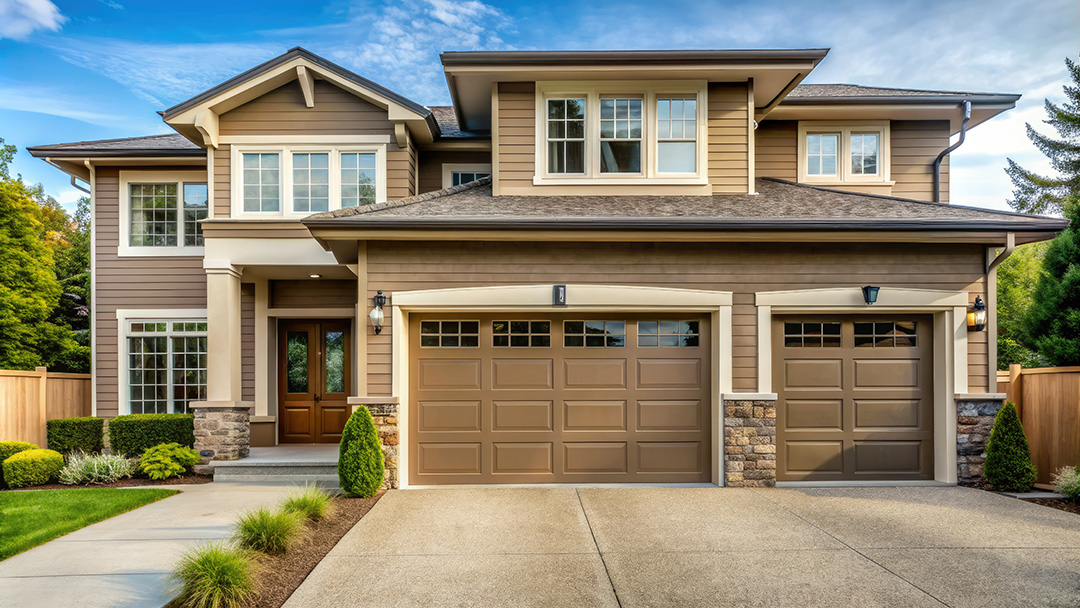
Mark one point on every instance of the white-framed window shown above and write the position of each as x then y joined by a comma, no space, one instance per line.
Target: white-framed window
843,152
165,364
455,174
621,132
298,180
160,213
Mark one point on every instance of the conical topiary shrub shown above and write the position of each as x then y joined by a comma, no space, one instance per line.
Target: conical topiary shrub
1008,457
360,457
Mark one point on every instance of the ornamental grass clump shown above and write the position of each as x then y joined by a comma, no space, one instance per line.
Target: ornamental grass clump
268,531
1067,483
310,501
215,576
1008,464
95,468
360,456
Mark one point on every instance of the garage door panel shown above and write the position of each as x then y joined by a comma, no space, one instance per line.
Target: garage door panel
815,414
595,373
449,458
819,457
813,373
522,458
669,373
685,415
594,416
888,457
436,416
595,457
670,457
898,414
886,373
449,374
522,415
508,374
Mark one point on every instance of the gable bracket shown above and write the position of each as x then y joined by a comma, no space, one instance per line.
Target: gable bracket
401,132
307,85
206,122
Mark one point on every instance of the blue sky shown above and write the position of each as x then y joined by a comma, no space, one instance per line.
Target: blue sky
97,69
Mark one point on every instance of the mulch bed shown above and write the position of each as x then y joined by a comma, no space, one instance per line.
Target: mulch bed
280,576
127,483
1053,503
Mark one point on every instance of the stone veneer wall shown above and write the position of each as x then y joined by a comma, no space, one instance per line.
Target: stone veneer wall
386,424
974,421
221,433
750,443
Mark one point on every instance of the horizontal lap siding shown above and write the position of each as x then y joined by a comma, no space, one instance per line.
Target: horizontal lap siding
729,142
312,294
915,145
247,341
160,282
222,181
517,135
740,268
776,152
431,165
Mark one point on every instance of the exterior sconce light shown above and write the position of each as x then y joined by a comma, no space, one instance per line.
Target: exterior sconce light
376,315
977,315
869,294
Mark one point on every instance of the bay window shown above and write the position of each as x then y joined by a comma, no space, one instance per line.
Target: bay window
844,152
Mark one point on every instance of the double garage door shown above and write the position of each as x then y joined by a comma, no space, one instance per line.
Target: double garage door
541,398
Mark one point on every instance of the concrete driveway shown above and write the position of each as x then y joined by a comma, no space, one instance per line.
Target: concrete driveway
629,547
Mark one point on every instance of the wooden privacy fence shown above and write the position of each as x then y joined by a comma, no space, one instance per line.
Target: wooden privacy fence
1048,399
28,399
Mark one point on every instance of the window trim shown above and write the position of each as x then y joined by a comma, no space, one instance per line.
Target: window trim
285,174
128,178
844,130
448,170
124,316
649,91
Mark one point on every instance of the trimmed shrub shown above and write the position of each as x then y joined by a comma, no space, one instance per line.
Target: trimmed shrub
215,576
133,434
360,457
1067,482
32,468
95,468
9,449
266,531
167,460
67,435
310,501
1008,464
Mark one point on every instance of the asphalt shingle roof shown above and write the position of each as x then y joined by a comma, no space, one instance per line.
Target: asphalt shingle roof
148,144
448,124
841,91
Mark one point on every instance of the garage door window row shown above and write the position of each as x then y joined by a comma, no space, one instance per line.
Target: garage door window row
885,335
576,334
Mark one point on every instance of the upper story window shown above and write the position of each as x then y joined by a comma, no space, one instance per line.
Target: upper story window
456,174
465,177
295,181
620,132
160,213
838,153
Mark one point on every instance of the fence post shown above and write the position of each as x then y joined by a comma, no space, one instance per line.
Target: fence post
1016,389
42,404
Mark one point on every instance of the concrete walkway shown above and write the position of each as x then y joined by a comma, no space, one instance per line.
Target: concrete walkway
630,547
125,561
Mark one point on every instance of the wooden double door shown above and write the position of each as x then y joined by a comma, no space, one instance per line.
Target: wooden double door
314,359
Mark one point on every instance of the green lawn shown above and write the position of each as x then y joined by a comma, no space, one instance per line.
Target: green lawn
28,519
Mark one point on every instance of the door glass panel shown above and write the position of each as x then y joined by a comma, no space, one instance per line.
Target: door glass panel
335,361
296,350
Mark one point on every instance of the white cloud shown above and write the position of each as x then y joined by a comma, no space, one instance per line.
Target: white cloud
20,18
55,102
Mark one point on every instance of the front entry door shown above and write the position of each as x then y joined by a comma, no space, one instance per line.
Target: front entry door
313,380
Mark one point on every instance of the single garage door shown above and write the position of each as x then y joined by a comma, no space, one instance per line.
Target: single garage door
855,398
571,398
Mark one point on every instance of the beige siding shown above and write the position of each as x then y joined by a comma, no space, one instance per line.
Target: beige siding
741,268
517,135
222,181
729,142
776,152
160,282
247,341
312,294
431,165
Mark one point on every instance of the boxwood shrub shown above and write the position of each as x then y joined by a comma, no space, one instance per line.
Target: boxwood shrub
68,435
360,456
131,435
32,468
9,449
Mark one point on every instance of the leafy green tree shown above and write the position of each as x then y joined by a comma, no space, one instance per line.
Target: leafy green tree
1017,278
1053,320
1036,193
73,272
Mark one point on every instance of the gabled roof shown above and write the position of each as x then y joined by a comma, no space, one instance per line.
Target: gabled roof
172,144
779,205
448,124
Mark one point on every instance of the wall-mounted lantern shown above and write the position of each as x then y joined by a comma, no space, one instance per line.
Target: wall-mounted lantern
376,315
977,315
869,294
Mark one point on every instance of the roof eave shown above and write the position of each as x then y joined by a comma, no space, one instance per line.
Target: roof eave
42,152
580,58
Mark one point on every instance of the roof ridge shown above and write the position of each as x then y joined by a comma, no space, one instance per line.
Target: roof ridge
401,202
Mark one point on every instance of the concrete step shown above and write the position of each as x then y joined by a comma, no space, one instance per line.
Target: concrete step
273,469
329,482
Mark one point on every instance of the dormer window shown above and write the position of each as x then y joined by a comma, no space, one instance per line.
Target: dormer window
621,132
842,153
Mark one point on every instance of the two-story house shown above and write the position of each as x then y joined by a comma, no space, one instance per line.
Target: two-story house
625,266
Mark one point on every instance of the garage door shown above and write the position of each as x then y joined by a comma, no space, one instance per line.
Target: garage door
854,398
558,399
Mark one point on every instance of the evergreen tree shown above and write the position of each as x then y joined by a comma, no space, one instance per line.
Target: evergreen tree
1036,193
1017,278
1053,320
361,465
1008,464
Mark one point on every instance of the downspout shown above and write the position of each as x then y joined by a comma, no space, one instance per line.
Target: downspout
946,151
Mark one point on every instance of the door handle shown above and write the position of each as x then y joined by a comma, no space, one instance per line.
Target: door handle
316,397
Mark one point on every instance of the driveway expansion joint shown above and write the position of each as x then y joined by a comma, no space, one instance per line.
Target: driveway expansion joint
592,533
